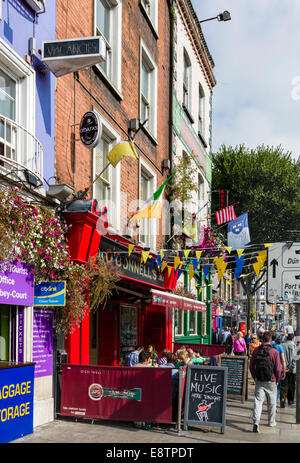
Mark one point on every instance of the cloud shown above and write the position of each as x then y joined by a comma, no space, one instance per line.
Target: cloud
257,63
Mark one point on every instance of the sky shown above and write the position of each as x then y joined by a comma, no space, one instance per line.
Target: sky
257,67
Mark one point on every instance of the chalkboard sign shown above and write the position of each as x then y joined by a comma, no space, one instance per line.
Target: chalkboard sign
237,375
205,396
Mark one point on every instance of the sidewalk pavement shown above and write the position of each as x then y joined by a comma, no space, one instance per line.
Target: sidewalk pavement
238,429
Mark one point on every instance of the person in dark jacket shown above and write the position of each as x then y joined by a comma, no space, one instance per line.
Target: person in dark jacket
217,337
265,388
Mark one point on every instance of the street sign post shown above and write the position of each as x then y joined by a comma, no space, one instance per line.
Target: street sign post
283,284
283,273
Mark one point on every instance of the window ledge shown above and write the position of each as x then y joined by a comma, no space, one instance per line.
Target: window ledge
149,21
98,71
149,134
202,140
187,112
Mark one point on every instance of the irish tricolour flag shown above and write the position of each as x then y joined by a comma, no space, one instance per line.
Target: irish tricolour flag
153,206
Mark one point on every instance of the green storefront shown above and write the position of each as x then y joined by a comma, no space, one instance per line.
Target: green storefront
191,327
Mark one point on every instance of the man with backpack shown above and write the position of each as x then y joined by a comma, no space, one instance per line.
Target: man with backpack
266,369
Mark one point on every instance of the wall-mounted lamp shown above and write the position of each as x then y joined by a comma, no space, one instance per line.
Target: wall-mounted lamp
225,16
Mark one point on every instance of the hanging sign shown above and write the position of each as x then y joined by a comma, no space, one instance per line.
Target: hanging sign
90,129
50,294
66,56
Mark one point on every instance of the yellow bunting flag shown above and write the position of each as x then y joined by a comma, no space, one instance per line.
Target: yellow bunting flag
198,254
228,249
200,290
186,253
176,262
221,266
262,255
191,272
169,271
130,248
163,266
228,282
239,252
268,245
145,255
257,268
162,253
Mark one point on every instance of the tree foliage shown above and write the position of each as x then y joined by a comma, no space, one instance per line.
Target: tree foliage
265,182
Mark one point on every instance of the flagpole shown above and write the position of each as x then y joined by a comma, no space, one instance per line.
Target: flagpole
82,193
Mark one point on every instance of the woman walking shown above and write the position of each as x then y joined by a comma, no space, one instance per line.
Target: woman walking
239,346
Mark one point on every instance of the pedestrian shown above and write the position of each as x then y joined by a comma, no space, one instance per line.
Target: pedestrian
288,384
153,354
266,369
169,360
198,353
133,357
228,344
276,343
226,332
253,343
217,337
190,352
247,339
239,345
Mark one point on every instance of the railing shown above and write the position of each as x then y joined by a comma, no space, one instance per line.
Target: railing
19,149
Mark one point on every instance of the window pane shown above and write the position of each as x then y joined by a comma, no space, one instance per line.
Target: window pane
178,322
7,96
103,18
193,322
145,81
4,332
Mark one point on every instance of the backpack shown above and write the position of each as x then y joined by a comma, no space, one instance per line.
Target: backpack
264,367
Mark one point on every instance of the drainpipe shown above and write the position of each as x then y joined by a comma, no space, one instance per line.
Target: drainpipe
171,90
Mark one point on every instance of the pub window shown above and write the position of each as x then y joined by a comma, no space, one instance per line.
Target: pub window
178,322
108,14
201,112
147,230
193,318
106,188
203,324
187,81
150,7
148,91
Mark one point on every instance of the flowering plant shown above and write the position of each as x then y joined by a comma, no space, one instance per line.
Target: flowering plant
34,236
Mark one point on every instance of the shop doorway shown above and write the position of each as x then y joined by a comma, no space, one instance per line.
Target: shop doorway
8,341
155,328
107,341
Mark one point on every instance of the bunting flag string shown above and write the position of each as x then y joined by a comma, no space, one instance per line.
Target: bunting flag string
221,267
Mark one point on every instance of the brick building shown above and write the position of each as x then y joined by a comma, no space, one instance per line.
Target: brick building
132,83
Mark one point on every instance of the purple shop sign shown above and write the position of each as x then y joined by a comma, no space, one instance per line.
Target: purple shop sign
42,344
16,284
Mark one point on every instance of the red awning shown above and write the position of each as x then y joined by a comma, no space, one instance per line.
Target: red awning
177,302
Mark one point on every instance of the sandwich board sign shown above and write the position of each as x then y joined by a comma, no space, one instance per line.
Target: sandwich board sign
283,281
205,396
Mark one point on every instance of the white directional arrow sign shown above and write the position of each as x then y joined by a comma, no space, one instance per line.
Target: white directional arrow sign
283,273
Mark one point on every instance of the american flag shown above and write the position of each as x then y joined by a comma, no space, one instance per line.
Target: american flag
225,215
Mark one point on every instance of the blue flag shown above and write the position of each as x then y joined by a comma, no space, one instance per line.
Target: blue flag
205,271
238,232
240,262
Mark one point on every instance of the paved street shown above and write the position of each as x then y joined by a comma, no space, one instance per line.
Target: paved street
238,430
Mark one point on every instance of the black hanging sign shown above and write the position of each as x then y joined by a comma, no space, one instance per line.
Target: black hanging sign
237,375
205,396
90,129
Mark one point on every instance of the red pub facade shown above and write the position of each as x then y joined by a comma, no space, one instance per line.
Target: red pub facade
141,309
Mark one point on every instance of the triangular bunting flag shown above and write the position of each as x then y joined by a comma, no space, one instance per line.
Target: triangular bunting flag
152,263
239,252
221,266
159,262
262,255
186,253
228,249
195,263
169,270
198,255
268,245
176,262
130,248
163,266
240,262
145,255
257,268
206,268
162,253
